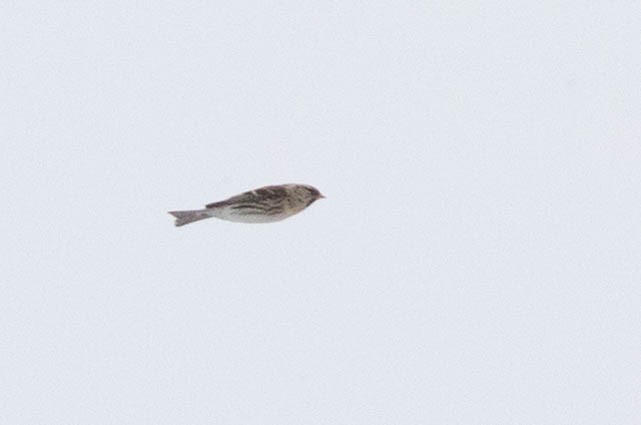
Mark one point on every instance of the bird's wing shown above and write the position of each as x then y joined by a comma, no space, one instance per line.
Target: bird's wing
243,197
258,195
271,192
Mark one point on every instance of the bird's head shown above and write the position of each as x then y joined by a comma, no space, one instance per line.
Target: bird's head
310,193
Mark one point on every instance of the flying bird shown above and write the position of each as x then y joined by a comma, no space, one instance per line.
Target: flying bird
264,205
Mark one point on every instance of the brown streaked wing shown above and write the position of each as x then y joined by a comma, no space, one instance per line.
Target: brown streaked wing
243,197
267,192
272,192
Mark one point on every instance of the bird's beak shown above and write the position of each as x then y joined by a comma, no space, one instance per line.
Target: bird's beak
321,196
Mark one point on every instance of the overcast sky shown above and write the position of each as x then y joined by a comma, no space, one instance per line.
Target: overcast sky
477,259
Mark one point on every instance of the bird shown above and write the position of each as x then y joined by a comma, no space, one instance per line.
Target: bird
263,205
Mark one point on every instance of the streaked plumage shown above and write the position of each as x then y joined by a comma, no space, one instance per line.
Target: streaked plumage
264,205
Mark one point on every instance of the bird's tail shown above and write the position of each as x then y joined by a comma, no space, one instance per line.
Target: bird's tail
186,217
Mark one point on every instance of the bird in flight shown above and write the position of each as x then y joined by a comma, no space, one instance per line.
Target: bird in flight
264,205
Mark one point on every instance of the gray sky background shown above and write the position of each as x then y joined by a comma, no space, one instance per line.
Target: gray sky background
477,259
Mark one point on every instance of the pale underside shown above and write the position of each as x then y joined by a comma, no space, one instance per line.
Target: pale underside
246,215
